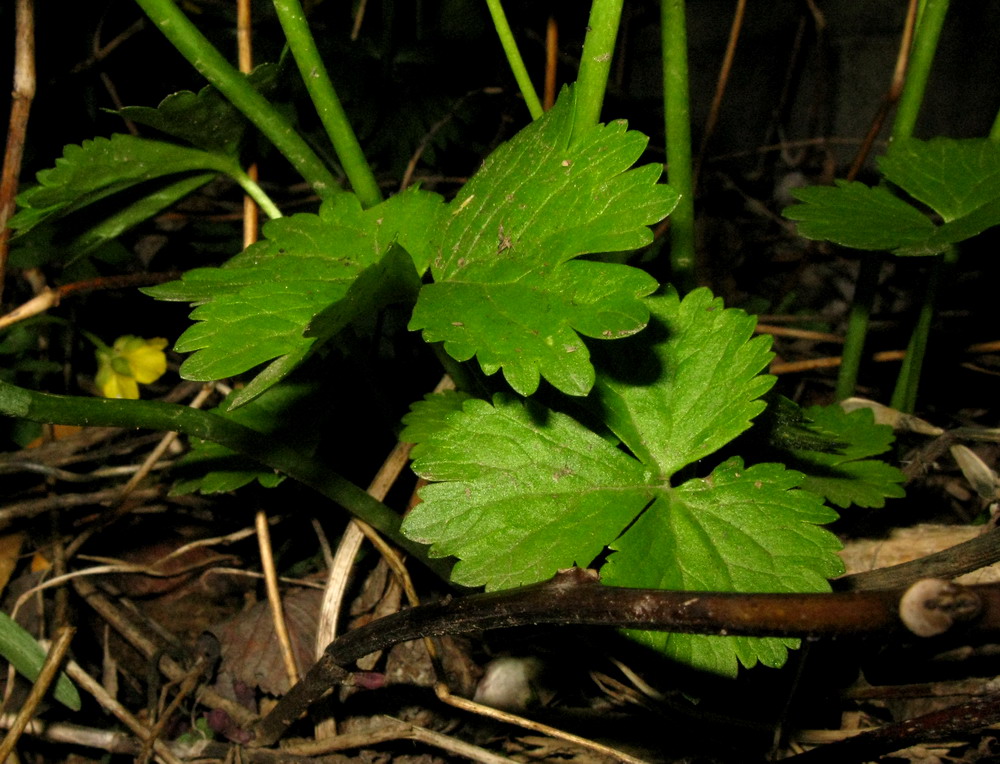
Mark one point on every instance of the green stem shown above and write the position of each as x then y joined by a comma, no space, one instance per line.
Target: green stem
904,397
857,324
676,105
931,19
995,131
324,98
168,417
201,54
514,58
595,63
255,192
925,42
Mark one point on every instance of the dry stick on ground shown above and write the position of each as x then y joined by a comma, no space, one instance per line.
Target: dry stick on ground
575,597
274,596
938,725
46,676
92,686
119,742
17,126
392,729
948,563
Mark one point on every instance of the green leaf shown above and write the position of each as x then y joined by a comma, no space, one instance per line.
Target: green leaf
740,529
708,383
958,179
506,286
523,491
258,306
855,215
205,119
27,656
848,476
104,166
427,417
952,176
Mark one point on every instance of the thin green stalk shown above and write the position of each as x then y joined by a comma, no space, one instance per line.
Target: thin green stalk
927,33
995,131
857,324
595,63
514,59
324,98
168,417
904,396
201,54
255,192
925,42
676,104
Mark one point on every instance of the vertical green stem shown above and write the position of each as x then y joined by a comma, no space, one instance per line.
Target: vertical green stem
324,98
673,31
595,64
201,54
514,58
857,324
925,42
904,397
928,31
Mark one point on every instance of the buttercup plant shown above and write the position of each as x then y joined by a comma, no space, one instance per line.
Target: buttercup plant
642,386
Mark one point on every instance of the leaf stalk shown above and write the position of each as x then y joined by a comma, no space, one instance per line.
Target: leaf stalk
204,57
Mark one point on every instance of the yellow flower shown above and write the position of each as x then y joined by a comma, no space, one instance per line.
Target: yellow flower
131,361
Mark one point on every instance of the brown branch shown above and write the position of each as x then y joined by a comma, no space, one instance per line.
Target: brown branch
952,562
574,597
17,128
937,725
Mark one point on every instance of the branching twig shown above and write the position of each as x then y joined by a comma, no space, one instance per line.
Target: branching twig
574,597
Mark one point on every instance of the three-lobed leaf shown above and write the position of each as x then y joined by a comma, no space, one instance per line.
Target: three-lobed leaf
506,286
522,491
958,179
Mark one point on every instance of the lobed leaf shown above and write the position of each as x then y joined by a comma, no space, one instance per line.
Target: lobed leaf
740,529
329,267
858,216
958,179
505,288
103,166
706,365
522,491
848,476
205,119
953,177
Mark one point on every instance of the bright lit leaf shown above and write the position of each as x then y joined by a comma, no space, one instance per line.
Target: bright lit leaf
521,491
506,286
